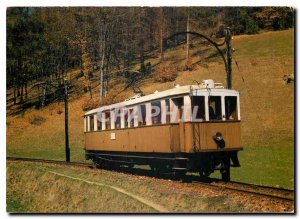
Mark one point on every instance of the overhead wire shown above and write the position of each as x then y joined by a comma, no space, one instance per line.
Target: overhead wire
241,74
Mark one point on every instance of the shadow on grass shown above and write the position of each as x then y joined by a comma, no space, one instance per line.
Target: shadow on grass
139,171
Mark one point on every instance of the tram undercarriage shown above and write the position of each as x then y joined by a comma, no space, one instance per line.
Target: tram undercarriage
179,164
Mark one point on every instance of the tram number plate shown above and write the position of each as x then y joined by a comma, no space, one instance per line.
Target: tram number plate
113,136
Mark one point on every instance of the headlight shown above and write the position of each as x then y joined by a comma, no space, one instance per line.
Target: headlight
218,136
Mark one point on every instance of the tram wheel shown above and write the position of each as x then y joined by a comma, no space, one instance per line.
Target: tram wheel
203,174
178,175
155,169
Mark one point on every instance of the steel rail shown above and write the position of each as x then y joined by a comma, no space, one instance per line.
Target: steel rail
263,186
251,190
49,161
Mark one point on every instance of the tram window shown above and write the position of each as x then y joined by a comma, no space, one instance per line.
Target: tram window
142,115
107,120
91,123
131,118
126,125
156,112
86,123
178,107
215,112
231,108
168,111
198,107
99,121
117,119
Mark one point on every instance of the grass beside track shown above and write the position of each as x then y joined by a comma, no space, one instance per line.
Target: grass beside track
38,188
34,188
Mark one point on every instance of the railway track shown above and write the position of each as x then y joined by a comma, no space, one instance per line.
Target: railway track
251,189
50,161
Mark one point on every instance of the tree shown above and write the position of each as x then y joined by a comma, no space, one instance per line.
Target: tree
44,43
276,18
188,35
24,46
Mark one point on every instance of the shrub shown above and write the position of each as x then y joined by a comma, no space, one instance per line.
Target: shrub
36,119
165,73
90,104
189,65
114,96
251,26
59,111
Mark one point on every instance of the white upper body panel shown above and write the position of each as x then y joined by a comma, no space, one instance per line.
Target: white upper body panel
193,90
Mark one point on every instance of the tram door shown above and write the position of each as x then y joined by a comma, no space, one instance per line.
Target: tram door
178,114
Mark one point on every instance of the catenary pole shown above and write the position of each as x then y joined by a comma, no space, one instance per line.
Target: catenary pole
229,57
67,148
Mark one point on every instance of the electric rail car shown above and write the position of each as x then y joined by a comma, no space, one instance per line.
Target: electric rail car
193,128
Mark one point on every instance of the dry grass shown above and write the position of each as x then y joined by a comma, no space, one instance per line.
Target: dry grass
36,189
40,191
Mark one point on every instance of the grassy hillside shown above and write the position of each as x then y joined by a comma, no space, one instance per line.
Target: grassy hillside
267,107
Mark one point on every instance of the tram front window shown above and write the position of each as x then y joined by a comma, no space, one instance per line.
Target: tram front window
198,108
215,110
231,108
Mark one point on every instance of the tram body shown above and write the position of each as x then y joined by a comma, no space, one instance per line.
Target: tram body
194,128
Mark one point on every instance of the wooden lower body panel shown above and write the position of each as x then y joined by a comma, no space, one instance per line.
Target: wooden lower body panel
185,137
198,137
162,138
